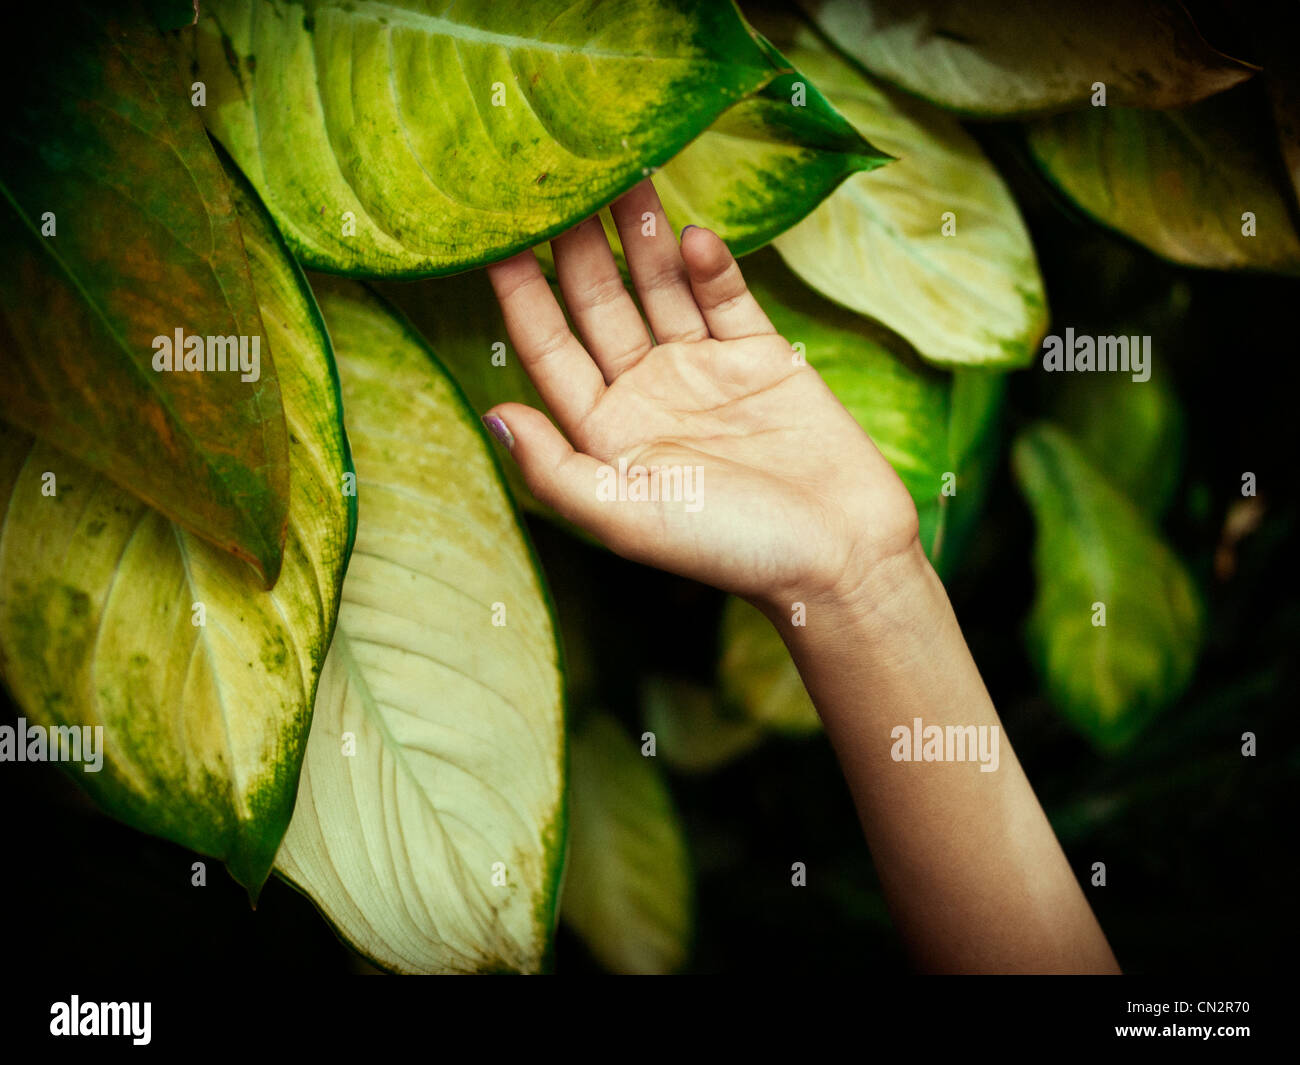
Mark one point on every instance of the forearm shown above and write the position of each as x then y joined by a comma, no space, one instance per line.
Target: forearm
972,872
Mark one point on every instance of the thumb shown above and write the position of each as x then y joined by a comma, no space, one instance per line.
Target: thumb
562,478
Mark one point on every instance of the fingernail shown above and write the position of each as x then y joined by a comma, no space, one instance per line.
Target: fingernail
500,430
685,228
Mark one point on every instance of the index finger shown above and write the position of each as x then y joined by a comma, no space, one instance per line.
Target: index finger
567,379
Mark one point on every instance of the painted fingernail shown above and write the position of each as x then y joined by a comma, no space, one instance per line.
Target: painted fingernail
500,430
685,228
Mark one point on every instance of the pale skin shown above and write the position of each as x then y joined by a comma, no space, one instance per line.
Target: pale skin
798,506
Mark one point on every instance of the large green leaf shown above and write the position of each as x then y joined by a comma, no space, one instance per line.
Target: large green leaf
117,227
386,114
205,711
765,164
760,168
1131,432
1178,182
1094,547
926,423
627,889
878,245
1015,57
435,845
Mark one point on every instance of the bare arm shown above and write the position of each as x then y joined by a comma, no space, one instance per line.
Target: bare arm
795,505
971,869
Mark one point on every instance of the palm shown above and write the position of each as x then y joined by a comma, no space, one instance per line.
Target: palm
789,486
704,396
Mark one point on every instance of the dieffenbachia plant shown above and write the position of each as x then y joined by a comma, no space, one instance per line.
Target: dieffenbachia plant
251,528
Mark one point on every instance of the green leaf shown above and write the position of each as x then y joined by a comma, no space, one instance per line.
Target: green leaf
926,423
765,164
436,845
627,890
974,421
116,228
756,675
1131,432
204,712
1001,58
760,168
386,114
693,734
1094,547
461,320
878,244
1178,182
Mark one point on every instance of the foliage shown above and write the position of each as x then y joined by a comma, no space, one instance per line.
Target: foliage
386,725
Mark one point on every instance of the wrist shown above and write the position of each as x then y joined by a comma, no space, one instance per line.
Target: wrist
876,593
886,590
883,635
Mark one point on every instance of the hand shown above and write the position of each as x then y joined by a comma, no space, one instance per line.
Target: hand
794,501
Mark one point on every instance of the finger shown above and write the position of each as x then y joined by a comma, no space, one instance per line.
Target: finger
656,265
566,378
599,304
729,309
564,479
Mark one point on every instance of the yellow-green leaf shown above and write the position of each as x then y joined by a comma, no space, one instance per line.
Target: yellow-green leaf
1001,58
765,164
404,139
430,823
461,320
761,167
117,228
1116,623
112,616
1201,186
756,675
931,245
627,889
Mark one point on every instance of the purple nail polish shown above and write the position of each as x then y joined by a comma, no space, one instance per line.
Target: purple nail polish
500,430
685,228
